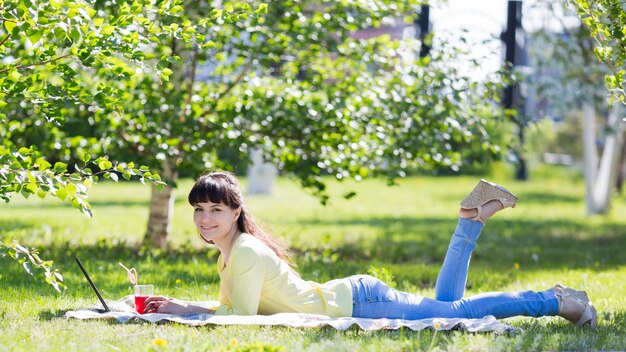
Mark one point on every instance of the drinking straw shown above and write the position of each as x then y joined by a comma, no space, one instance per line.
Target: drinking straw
132,274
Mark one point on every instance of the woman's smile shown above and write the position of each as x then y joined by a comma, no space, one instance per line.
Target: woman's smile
208,228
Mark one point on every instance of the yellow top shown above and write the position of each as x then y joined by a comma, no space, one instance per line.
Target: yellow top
256,281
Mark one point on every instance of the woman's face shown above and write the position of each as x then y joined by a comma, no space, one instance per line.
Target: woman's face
216,221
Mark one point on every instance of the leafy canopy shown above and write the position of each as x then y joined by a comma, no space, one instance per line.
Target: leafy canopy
606,20
299,81
45,48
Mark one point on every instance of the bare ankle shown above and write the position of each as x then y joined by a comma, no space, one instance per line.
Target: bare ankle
467,213
491,208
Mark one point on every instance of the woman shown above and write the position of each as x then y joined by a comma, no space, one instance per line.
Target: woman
256,277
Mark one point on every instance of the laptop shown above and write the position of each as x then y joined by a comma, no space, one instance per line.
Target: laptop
93,286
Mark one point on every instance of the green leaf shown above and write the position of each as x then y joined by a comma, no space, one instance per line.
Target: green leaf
104,164
35,36
165,74
15,75
41,193
75,35
9,25
107,30
70,190
43,164
176,9
216,13
60,167
32,187
349,195
61,193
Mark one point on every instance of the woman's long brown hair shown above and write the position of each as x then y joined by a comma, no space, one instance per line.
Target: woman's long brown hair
222,187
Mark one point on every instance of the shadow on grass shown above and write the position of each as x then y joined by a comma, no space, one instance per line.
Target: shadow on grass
13,225
537,244
94,204
48,315
401,241
161,268
610,334
529,198
613,322
548,198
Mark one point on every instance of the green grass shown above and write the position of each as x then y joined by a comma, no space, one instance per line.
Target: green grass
402,231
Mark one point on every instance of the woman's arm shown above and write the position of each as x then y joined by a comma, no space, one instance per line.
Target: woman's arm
244,283
160,304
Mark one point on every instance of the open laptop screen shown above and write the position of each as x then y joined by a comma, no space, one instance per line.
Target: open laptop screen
93,286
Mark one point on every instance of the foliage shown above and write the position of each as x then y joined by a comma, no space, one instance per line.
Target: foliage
563,137
56,59
171,84
30,261
606,20
26,172
46,50
295,80
566,72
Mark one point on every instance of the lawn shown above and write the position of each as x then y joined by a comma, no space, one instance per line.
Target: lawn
399,233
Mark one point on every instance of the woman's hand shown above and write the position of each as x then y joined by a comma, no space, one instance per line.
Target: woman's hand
165,305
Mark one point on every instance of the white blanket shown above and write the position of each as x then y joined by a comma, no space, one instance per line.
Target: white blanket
123,311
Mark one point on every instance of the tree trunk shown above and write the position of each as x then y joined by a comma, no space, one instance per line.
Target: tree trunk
600,181
590,154
621,170
161,209
522,171
609,162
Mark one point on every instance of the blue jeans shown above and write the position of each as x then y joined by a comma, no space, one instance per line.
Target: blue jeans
374,299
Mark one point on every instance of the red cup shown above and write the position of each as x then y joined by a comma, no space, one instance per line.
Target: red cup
142,292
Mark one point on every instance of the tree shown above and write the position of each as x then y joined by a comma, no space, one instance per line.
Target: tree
606,20
295,82
568,78
43,48
290,78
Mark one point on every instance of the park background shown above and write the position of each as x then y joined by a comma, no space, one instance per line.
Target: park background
367,128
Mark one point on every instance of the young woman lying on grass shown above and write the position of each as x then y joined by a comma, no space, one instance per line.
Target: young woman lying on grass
256,277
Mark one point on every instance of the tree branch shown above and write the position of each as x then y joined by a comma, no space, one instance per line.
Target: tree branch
5,39
19,67
230,87
125,136
602,41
